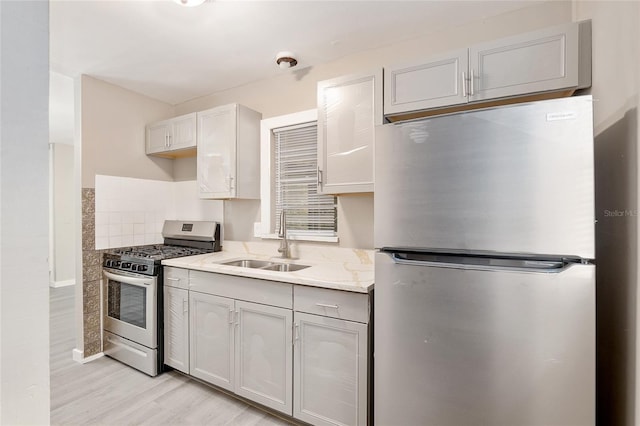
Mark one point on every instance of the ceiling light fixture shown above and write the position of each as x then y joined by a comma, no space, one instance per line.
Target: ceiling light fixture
286,60
189,3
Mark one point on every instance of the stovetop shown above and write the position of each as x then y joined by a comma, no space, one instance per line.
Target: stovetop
156,252
181,239
146,259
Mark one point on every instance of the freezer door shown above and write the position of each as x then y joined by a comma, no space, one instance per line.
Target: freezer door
517,179
471,346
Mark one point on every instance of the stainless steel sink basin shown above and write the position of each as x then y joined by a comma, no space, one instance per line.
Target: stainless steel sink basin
249,263
285,267
266,265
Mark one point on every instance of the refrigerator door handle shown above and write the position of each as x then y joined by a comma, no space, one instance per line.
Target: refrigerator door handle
481,263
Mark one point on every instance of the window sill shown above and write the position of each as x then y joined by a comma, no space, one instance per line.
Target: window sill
311,238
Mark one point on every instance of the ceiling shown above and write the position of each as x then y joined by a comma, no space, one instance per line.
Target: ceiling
174,54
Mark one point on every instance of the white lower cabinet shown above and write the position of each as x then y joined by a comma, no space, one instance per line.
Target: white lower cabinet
330,370
299,350
263,360
176,328
212,350
243,347
176,318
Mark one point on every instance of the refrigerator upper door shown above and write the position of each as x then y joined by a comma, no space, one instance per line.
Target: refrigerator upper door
467,346
517,179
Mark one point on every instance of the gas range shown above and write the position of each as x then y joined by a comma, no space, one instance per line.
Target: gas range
181,239
134,294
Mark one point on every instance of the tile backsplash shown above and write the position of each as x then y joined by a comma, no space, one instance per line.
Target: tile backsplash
132,211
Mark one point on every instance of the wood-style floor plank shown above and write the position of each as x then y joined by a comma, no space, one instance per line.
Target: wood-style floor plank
107,392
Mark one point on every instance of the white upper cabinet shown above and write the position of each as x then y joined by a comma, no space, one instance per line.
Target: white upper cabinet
157,139
228,152
550,60
349,108
434,83
172,138
546,60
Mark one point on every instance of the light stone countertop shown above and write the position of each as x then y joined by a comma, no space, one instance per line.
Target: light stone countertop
329,267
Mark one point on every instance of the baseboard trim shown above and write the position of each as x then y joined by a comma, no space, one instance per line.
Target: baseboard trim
65,283
78,356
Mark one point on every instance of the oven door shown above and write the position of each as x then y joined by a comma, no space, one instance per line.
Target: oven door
130,306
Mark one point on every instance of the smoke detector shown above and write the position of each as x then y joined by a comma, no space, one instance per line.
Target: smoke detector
286,60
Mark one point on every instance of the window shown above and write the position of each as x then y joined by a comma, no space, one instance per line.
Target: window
290,180
296,183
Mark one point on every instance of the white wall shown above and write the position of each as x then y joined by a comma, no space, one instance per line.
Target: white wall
61,112
295,91
62,209
616,91
113,133
24,189
132,211
63,213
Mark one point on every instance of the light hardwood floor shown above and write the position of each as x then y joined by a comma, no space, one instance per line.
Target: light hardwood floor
106,392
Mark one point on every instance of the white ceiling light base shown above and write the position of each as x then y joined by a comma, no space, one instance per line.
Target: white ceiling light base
189,3
286,60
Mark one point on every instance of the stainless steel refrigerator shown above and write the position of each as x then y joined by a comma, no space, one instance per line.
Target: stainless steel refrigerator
485,275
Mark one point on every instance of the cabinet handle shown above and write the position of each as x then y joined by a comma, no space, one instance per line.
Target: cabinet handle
169,141
324,305
237,318
231,312
230,182
173,279
166,140
471,82
185,306
464,84
296,333
319,177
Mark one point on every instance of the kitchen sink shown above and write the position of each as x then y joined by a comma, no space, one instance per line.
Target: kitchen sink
249,263
285,267
266,265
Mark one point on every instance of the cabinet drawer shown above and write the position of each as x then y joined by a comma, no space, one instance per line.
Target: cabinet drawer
176,277
241,288
331,303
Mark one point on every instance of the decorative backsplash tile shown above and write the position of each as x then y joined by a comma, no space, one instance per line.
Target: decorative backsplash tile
132,211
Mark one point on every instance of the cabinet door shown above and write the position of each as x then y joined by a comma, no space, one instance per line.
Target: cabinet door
540,61
349,108
216,135
184,132
176,328
158,136
431,83
263,355
330,371
211,330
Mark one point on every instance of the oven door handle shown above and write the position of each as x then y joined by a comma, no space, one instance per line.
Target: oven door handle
140,282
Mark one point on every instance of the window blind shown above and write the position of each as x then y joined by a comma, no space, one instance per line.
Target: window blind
296,183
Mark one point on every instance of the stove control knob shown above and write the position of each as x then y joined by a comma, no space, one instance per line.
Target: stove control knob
142,268
126,265
116,263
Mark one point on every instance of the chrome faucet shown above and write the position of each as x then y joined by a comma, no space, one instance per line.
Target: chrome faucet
284,243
